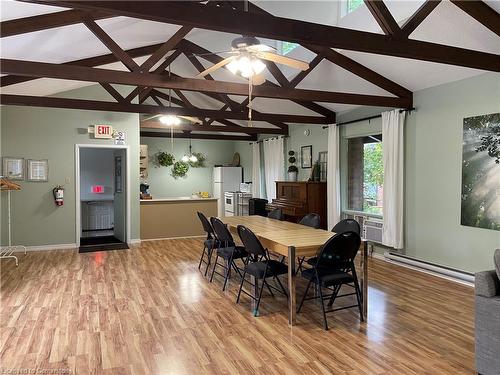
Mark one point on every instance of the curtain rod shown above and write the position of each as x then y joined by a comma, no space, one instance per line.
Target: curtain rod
267,139
369,118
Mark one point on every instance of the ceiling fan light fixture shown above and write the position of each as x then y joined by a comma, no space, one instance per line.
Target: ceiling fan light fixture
247,66
170,120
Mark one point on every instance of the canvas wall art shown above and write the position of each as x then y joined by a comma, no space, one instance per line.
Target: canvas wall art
481,172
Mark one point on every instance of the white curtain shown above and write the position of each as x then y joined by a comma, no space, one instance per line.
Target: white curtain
256,172
274,165
333,176
393,161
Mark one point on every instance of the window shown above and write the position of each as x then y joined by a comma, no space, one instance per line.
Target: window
365,174
348,6
352,5
287,47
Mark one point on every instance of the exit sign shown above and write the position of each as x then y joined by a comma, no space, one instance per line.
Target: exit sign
103,131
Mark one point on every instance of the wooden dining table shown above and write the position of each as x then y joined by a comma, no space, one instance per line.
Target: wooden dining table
294,241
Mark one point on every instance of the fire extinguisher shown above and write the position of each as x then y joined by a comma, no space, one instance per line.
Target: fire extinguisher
58,192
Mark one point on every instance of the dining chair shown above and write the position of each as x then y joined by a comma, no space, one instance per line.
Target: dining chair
210,242
259,265
334,267
346,225
313,221
227,249
277,214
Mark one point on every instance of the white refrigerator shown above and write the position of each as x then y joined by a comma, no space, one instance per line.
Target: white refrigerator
225,179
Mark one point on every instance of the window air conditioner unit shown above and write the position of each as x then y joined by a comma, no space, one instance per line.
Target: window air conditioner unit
373,230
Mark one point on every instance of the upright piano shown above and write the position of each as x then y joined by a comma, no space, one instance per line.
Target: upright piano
299,198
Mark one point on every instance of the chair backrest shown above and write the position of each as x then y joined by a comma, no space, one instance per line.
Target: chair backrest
207,227
342,247
347,225
221,232
311,220
251,242
275,214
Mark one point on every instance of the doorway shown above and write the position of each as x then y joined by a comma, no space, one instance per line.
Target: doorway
102,197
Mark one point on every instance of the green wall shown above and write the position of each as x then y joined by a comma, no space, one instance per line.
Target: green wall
433,167
433,157
163,185
45,133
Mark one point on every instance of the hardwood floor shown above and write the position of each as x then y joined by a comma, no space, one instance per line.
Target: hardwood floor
149,310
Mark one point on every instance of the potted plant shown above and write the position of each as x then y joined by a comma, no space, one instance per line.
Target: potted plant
292,173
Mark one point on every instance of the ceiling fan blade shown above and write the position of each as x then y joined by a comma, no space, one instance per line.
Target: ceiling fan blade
194,120
294,63
261,48
259,79
150,117
213,68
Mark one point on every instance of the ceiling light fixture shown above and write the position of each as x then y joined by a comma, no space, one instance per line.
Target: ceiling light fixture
248,66
192,158
170,120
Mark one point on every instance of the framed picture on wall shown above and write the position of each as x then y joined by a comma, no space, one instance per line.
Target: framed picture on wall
306,156
13,168
38,170
118,174
323,163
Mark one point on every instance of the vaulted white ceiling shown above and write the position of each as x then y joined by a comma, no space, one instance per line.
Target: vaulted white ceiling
447,24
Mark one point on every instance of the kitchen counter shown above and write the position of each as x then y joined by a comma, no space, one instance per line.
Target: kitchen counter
174,217
177,199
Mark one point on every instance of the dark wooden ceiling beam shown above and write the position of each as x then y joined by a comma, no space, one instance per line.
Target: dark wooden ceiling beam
418,17
278,28
169,45
90,62
277,74
45,21
120,54
249,138
383,16
364,72
59,71
96,105
228,129
304,73
113,92
481,12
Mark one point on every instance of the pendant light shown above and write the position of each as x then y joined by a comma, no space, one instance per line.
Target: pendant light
189,158
170,120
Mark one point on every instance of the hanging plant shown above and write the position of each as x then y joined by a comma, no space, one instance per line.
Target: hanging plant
180,169
292,159
200,160
165,159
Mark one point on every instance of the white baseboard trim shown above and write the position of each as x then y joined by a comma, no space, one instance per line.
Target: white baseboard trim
170,238
64,246
416,267
135,241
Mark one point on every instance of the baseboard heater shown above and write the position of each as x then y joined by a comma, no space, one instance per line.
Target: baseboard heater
432,267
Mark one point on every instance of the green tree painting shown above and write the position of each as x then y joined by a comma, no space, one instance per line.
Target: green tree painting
481,172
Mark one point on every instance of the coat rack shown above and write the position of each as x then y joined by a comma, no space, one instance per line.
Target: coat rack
7,252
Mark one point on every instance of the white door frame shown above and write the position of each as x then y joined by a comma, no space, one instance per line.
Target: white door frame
78,147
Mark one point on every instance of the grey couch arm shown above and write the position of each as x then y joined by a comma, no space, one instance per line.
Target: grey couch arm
487,284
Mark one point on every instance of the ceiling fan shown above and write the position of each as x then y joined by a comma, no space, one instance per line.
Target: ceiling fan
247,53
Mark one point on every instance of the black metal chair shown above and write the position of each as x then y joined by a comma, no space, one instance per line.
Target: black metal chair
227,250
310,220
260,266
209,244
347,225
343,226
335,267
275,214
